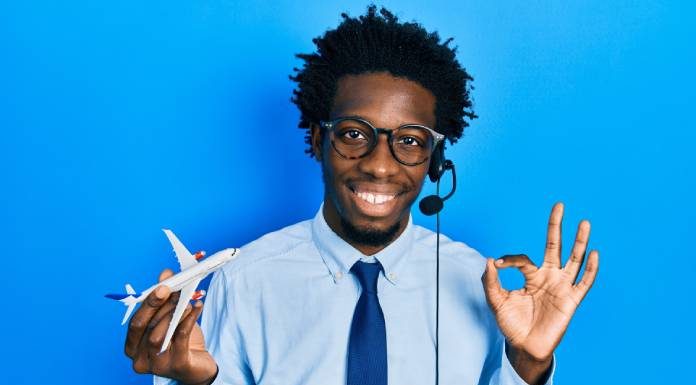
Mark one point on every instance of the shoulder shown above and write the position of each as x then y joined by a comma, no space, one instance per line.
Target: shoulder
262,262
295,239
461,268
454,255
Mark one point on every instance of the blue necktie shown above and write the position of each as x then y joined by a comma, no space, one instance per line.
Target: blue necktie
367,347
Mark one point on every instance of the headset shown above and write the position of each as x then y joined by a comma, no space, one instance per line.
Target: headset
433,204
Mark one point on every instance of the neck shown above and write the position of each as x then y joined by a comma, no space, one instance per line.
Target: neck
339,226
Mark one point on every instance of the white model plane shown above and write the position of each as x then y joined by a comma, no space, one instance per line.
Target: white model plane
192,272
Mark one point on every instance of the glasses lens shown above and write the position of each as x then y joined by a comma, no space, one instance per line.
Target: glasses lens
352,138
412,144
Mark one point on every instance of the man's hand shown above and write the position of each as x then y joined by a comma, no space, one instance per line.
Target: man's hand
186,359
534,318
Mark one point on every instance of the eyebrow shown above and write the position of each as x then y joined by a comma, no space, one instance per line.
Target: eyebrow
378,126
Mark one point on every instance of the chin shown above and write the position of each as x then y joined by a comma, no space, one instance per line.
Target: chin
368,234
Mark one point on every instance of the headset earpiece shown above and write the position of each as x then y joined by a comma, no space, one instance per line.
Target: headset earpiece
437,162
432,204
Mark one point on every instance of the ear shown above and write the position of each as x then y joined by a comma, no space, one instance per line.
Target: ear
315,132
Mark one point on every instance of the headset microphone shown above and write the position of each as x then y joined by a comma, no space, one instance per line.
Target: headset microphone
432,204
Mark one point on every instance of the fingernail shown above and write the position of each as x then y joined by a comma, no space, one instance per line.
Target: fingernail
159,292
499,261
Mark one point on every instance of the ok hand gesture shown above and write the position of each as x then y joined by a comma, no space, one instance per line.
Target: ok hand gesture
535,317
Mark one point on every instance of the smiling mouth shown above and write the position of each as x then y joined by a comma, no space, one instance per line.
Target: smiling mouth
374,198
373,195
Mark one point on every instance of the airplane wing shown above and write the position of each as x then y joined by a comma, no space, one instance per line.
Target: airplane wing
185,258
184,298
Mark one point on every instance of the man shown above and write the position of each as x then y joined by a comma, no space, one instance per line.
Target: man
349,296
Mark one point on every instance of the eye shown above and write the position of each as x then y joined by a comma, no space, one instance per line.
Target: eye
410,141
353,134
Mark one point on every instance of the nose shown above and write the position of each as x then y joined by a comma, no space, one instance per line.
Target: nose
380,163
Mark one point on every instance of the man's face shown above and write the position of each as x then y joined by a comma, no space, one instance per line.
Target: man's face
350,184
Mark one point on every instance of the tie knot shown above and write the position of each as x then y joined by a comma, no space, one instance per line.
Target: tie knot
367,274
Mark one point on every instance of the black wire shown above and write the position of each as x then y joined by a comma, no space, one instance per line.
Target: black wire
437,293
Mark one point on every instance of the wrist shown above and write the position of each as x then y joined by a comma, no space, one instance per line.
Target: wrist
209,380
533,370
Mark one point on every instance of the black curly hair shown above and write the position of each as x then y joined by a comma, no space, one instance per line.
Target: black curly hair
374,43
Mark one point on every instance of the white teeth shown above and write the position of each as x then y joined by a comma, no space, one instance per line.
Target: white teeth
377,199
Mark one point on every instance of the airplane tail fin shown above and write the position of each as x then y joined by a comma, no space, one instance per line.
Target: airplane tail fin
131,307
129,299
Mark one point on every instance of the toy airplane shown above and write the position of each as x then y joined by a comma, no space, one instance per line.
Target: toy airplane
192,272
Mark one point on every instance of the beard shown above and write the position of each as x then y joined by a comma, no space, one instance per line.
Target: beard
369,236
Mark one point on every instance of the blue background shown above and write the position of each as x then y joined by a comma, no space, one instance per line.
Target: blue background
121,118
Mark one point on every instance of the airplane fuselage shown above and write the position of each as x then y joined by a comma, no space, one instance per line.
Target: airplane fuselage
197,271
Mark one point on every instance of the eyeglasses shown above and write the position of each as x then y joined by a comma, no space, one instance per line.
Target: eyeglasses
353,137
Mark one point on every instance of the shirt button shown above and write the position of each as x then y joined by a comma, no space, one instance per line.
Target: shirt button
392,276
339,275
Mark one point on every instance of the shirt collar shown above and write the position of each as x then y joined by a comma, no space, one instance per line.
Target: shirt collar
339,256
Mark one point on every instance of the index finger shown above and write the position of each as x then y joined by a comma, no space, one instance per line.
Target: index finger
552,254
142,317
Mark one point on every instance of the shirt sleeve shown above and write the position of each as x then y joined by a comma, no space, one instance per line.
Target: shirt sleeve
506,374
222,336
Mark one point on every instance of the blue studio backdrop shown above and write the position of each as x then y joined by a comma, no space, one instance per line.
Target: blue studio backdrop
121,118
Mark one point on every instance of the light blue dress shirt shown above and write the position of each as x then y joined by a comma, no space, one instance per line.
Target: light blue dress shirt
281,312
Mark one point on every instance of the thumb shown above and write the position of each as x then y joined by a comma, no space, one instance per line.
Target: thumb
166,273
495,294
